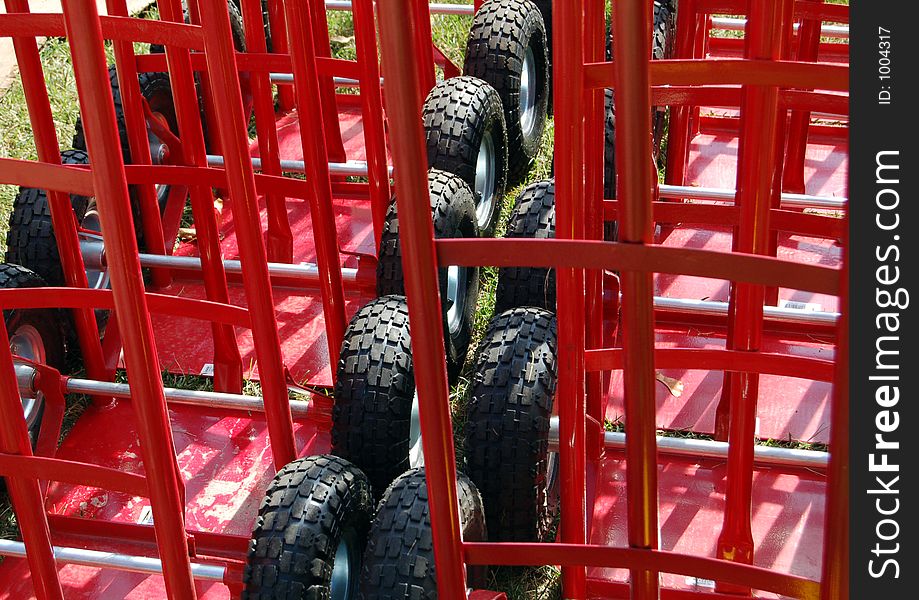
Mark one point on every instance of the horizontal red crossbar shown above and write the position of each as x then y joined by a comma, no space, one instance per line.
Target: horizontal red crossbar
207,543
767,363
58,178
730,97
54,297
836,13
730,71
522,554
727,215
77,473
127,29
575,254
252,62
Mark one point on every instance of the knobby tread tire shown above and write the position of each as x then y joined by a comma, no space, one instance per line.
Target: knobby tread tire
453,213
457,114
533,217
374,389
501,32
399,561
507,431
30,241
307,508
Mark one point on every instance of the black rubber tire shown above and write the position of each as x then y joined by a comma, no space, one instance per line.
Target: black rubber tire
312,505
533,217
453,212
374,391
545,7
457,114
155,89
399,561
502,32
46,322
507,427
30,241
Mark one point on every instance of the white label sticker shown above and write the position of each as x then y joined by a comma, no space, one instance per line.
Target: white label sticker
698,582
207,370
803,306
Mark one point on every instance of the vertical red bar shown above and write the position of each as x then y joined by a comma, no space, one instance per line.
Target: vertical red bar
634,190
68,243
594,143
372,112
231,126
765,36
25,494
404,81
158,452
278,27
335,148
309,106
808,49
423,52
280,240
138,144
568,93
835,580
228,369
678,138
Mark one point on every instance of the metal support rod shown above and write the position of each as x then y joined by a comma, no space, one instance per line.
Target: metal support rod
437,8
775,313
308,272
406,79
113,560
733,24
728,195
298,408
767,456
231,126
338,81
354,168
84,33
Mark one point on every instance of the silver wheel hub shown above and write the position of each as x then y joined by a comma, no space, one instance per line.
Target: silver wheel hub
27,343
527,102
485,174
415,449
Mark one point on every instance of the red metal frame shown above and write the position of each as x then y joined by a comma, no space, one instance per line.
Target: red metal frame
757,84
48,489
758,79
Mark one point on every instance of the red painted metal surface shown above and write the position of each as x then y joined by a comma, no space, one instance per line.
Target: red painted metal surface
742,253
634,524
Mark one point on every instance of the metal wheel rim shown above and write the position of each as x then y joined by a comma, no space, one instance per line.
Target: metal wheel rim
415,449
485,172
527,101
26,342
456,297
345,568
95,279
